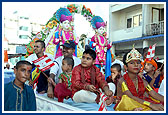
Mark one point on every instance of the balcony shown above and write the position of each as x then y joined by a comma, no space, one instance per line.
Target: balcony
155,28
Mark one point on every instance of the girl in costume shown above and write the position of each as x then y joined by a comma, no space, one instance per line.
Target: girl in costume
64,32
133,91
100,44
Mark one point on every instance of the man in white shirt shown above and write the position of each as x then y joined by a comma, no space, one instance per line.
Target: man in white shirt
68,51
43,86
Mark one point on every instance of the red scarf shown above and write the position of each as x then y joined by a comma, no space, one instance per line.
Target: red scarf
141,89
131,87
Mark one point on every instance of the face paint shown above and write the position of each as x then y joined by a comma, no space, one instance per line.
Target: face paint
28,68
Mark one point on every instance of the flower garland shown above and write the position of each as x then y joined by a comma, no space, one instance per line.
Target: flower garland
101,60
53,22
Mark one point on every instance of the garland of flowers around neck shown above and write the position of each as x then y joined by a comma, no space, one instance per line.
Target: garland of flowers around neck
97,49
63,35
98,36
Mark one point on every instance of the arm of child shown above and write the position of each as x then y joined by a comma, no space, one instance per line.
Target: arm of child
107,92
91,88
155,95
157,72
119,89
151,105
60,80
157,107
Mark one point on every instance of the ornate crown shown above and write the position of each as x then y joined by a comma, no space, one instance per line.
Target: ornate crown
133,55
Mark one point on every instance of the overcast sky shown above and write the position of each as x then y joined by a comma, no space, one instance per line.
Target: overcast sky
43,11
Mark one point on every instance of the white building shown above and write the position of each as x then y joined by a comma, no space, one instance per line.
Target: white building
17,30
142,24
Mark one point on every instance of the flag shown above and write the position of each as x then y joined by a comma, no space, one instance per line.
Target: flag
102,102
35,73
43,63
151,53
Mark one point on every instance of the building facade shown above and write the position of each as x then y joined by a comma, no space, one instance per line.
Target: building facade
139,24
17,29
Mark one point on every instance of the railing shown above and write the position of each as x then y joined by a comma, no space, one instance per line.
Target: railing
155,28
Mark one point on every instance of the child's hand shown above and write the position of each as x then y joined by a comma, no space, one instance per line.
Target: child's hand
108,93
113,76
31,82
157,107
91,88
157,72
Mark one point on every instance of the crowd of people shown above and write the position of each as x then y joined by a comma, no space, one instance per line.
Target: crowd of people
132,84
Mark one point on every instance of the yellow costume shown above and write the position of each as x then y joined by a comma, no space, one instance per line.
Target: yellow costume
128,104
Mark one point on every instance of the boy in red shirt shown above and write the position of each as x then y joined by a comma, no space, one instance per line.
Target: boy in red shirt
87,79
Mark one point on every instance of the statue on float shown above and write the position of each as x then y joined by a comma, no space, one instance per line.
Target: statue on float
64,31
101,45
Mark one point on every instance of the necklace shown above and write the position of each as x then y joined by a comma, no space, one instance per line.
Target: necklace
100,42
63,34
136,84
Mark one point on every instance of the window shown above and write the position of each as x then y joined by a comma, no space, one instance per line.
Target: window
23,36
137,20
24,28
161,14
157,14
129,23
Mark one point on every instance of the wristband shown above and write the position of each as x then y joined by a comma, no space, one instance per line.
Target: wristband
146,103
148,88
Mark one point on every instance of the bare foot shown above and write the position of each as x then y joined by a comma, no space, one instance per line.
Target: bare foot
42,92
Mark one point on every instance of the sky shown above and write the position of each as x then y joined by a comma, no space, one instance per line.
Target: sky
43,11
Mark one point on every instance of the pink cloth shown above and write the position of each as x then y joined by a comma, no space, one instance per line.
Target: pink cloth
101,54
67,37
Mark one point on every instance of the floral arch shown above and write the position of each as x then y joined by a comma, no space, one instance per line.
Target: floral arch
46,33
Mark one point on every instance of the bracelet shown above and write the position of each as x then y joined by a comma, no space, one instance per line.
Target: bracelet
146,103
148,88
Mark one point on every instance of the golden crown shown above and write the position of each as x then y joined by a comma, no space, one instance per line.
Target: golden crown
133,55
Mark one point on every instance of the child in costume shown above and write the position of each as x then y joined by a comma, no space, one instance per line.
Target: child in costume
62,89
17,95
133,90
100,44
152,75
87,79
115,75
65,30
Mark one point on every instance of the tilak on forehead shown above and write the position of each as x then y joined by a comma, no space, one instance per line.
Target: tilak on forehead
29,68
